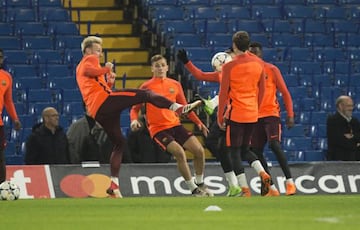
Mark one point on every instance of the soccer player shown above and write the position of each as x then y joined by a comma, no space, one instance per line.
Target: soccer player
7,101
215,141
268,127
105,105
166,129
241,93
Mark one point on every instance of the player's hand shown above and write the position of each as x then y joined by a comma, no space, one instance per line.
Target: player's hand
181,54
111,77
109,65
17,125
135,125
290,122
203,129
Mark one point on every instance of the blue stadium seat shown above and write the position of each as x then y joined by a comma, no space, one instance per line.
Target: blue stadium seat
342,26
297,53
331,13
71,95
322,80
62,83
262,38
75,108
165,13
341,80
353,54
48,3
329,54
303,117
354,80
299,130
29,83
185,40
291,80
16,57
52,71
210,26
6,29
318,117
304,67
308,104
42,96
47,56
68,42
338,67
51,14
37,42
197,13
315,155
318,40
30,28
298,11
175,26
266,11
318,130
285,40
251,26
20,15
297,143
16,4
227,12
185,3
10,43
25,71
306,80
199,54
315,26
271,54
62,28
219,40
226,2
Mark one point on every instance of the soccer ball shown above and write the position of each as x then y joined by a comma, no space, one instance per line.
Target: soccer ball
9,191
220,59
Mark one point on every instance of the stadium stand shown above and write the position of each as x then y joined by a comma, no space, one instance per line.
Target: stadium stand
314,43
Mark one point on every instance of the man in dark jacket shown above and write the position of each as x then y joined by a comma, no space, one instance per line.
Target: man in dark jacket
343,132
47,144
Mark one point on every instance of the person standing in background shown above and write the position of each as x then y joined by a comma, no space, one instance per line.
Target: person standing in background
47,144
268,127
7,102
105,105
343,132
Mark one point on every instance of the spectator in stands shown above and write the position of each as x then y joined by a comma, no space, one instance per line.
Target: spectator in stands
47,144
166,129
141,146
343,132
268,127
105,105
7,101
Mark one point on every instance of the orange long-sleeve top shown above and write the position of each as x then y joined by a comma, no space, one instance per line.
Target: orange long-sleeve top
203,76
160,119
6,96
90,77
274,81
241,89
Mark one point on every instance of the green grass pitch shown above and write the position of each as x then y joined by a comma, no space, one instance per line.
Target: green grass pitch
296,212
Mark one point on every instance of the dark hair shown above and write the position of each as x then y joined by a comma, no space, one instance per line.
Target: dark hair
241,39
256,45
1,50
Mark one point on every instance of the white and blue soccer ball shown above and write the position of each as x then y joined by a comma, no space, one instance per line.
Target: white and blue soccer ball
220,59
9,191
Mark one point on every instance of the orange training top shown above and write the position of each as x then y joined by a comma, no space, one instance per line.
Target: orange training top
270,105
92,84
161,119
203,76
241,89
6,96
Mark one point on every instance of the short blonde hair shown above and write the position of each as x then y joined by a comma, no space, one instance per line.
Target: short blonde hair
88,42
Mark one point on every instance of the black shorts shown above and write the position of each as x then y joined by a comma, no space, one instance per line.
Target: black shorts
177,133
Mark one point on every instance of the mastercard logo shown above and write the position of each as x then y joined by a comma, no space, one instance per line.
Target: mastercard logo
93,185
